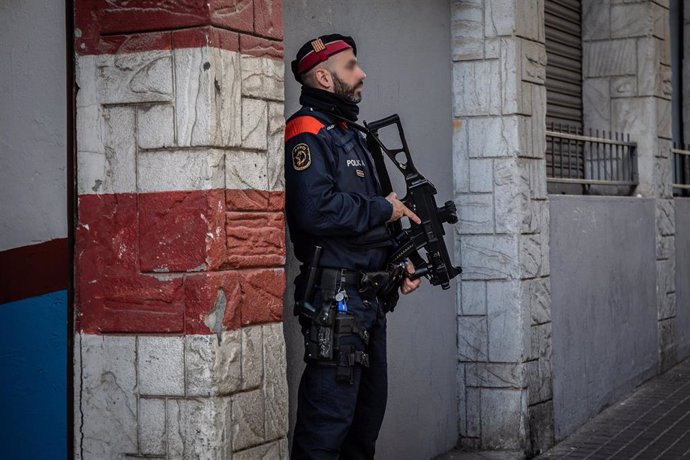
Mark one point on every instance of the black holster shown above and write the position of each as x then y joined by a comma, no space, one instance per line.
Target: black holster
325,346
321,343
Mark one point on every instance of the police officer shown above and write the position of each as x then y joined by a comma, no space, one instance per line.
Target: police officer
334,201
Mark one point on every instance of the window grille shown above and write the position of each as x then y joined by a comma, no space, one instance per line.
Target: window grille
599,158
681,168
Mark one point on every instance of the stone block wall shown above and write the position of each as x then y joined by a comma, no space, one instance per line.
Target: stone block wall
627,88
504,323
179,349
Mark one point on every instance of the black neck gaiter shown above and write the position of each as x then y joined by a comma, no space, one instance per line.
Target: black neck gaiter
328,103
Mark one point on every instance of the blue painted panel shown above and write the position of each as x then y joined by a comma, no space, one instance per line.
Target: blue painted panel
33,381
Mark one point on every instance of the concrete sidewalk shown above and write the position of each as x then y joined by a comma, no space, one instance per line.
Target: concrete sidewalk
652,423
481,455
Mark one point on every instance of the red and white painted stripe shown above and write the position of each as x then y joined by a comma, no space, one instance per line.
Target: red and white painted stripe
179,163
180,237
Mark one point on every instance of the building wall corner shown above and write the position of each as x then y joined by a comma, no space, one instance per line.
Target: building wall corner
180,240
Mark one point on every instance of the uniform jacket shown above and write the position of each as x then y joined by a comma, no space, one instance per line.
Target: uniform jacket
333,197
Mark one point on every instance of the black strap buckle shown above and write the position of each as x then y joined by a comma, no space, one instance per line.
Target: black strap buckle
362,358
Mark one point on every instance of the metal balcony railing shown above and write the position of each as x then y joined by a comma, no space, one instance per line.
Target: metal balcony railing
681,168
595,159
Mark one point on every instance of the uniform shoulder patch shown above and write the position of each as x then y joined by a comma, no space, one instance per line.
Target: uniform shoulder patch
301,157
302,124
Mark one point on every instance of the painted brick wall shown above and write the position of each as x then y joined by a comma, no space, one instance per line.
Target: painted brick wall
179,349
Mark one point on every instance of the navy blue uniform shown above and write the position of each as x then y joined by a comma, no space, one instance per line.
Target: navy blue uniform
333,199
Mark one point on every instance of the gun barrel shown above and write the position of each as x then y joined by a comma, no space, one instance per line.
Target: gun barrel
419,273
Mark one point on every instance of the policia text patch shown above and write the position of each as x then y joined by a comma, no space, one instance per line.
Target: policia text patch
301,157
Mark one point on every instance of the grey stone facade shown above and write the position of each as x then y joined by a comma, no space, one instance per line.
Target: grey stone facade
504,299
504,330
627,88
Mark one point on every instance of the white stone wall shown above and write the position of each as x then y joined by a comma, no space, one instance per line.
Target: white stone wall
211,129
627,88
504,334
195,396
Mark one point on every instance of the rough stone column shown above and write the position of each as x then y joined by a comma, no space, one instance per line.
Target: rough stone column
504,333
179,349
627,88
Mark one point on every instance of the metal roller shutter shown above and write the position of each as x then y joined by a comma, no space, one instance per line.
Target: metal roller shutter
563,26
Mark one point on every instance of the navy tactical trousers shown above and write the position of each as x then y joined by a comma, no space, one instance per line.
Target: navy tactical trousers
336,420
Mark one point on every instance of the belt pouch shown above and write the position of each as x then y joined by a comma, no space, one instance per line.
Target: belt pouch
344,371
344,325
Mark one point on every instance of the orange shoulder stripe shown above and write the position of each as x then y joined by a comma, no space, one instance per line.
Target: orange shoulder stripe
300,125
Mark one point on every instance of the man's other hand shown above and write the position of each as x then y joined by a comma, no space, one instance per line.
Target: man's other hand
399,209
408,284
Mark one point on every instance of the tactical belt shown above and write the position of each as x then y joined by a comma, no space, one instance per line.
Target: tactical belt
370,285
334,278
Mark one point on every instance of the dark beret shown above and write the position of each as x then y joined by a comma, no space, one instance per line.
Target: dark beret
318,50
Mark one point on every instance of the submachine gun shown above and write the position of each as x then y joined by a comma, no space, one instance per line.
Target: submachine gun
428,235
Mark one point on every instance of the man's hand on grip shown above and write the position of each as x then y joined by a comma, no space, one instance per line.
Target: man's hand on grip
409,285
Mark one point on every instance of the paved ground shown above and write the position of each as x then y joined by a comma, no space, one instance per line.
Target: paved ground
483,455
652,423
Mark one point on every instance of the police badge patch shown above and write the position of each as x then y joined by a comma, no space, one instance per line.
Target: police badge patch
301,157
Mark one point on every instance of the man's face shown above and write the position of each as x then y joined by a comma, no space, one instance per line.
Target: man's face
348,76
